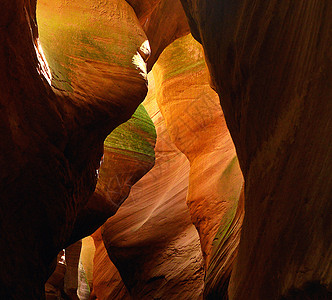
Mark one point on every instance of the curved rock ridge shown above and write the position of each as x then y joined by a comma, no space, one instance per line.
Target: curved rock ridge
143,9
96,50
151,239
197,126
52,137
128,155
270,63
163,21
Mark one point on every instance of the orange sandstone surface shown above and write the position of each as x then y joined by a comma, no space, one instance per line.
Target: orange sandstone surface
67,84
197,126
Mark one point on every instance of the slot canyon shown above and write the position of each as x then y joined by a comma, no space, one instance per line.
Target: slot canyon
166,149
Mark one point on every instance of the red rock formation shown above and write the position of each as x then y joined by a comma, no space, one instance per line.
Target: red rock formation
86,258
166,23
151,239
270,63
163,21
55,284
196,124
128,155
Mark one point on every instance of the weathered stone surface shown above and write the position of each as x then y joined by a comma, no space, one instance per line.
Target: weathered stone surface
271,66
54,285
143,9
64,281
86,258
151,239
196,124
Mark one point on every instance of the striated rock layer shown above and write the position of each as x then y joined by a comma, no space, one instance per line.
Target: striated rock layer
151,239
163,21
270,63
196,124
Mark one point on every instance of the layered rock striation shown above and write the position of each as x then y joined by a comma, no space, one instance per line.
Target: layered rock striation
197,126
141,237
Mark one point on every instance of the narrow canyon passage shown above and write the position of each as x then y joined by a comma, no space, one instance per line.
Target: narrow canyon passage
119,177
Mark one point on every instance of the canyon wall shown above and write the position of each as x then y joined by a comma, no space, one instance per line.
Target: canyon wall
141,237
271,66
52,137
128,155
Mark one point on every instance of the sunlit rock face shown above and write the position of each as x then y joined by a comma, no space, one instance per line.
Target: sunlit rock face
94,49
196,124
128,155
151,239
52,137
271,66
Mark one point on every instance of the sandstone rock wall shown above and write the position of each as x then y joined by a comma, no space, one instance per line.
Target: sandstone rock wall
270,64
52,137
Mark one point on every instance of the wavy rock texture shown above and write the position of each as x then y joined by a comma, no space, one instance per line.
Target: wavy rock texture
196,124
163,21
86,258
151,239
52,137
270,63
128,155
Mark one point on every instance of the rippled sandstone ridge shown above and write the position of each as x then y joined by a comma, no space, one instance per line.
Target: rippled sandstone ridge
270,64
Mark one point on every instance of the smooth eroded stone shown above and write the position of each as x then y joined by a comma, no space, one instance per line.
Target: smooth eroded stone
270,62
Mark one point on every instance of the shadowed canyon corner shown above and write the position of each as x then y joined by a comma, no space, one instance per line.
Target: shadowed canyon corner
165,149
